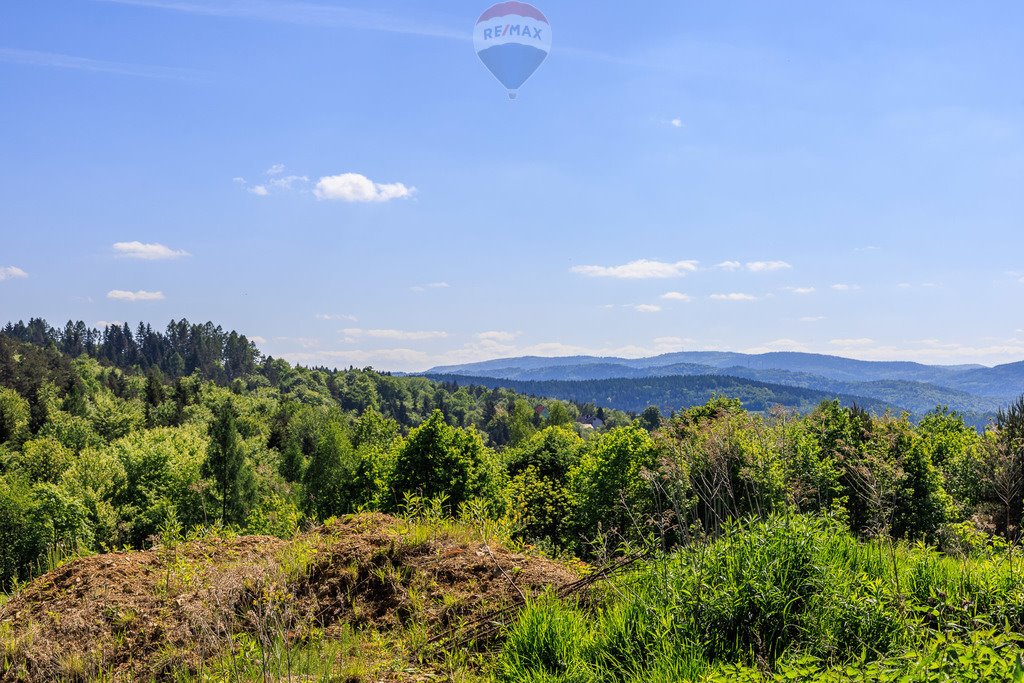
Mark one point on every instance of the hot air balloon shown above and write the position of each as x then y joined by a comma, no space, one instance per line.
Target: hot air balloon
512,39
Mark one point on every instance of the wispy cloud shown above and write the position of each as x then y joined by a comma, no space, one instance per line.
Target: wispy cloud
647,308
733,296
754,266
676,296
779,345
497,336
54,60
140,295
430,285
767,266
812,318
305,14
101,324
394,334
355,187
336,316
846,343
151,251
676,123
275,180
841,287
800,290
12,273
641,269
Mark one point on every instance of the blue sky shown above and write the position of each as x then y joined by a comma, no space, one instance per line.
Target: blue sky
347,184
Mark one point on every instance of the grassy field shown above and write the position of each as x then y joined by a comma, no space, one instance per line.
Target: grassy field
372,598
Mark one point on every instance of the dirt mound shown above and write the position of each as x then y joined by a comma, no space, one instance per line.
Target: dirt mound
152,614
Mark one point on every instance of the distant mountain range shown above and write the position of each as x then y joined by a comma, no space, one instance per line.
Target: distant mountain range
676,380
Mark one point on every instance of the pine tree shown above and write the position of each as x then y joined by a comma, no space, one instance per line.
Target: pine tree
225,462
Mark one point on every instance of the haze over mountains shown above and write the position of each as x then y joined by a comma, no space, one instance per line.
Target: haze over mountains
975,390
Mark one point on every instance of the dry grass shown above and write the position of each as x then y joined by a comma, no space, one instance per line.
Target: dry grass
360,596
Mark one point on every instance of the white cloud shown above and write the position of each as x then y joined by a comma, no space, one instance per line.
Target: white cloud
276,169
100,324
287,182
800,290
845,288
336,316
754,266
430,285
779,345
767,266
259,190
140,295
394,334
256,339
12,273
734,296
152,251
354,187
863,341
676,296
497,336
676,123
641,269
647,308
811,318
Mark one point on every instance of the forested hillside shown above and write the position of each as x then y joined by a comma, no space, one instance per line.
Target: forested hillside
976,391
671,393
829,541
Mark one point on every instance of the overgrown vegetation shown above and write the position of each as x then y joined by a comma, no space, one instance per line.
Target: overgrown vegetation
833,545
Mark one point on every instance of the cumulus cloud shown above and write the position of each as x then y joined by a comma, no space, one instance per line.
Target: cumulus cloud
259,190
800,290
276,169
417,335
676,123
647,308
733,296
497,336
729,265
147,251
676,296
641,269
355,187
12,273
139,295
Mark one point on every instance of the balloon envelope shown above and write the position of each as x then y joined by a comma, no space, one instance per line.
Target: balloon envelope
512,39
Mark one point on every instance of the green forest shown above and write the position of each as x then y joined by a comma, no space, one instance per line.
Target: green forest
835,543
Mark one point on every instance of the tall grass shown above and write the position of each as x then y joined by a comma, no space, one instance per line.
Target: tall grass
772,595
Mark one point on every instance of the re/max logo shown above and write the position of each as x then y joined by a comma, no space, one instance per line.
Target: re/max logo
512,30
